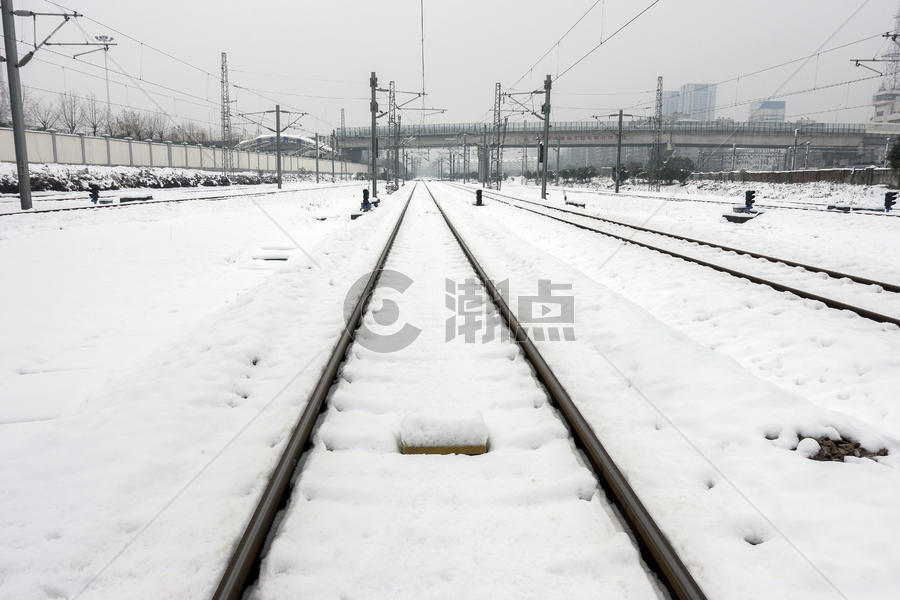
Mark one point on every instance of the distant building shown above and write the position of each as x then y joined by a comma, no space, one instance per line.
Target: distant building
670,103
698,101
887,106
767,111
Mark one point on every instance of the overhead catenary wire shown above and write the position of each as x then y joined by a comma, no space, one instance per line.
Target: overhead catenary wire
555,45
137,41
143,44
611,36
116,104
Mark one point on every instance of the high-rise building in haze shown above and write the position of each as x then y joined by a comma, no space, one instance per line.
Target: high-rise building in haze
697,101
768,111
670,103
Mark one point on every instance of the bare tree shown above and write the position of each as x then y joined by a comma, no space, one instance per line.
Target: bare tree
94,114
71,112
5,113
130,123
191,133
42,114
157,125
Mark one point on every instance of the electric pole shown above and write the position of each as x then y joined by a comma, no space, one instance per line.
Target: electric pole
226,118
397,155
657,137
794,155
466,159
373,107
317,157
15,104
545,110
619,153
341,144
557,159
278,143
333,146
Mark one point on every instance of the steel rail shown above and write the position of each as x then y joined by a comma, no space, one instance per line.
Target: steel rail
829,302
657,549
869,212
890,287
243,566
150,202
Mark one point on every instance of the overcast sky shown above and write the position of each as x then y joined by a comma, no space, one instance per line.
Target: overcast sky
299,53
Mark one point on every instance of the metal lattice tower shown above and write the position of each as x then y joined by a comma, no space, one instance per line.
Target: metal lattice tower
657,135
891,79
392,121
495,167
226,117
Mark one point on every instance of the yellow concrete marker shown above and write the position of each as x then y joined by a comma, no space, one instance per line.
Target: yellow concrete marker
444,432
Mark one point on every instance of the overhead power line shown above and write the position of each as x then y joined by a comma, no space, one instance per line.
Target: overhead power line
550,49
134,39
611,36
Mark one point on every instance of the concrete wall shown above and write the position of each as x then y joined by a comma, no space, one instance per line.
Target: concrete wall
76,149
868,176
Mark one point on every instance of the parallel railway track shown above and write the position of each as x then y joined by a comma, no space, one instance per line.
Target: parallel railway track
243,567
171,200
580,220
810,206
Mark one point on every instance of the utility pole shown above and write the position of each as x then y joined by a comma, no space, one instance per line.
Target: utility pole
466,159
485,160
806,166
397,154
226,118
619,153
106,71
341,143
733,157
333,146
657,138
557,159
278,142
545,110
317,157
524,155
15,104
794,155
373,107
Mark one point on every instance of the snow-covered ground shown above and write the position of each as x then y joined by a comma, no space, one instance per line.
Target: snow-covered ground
701,383
152,364
816,195
150,367
57,200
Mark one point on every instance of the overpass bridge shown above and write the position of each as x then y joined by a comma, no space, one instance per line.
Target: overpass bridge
863,140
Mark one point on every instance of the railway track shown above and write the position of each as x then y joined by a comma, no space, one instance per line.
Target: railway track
171,200
342,477
837,290
822,208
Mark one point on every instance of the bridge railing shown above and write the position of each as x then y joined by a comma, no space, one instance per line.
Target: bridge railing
474,131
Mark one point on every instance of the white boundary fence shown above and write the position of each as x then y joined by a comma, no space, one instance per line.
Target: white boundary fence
81,149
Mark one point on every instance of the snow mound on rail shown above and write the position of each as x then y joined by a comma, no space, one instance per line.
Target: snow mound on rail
444,428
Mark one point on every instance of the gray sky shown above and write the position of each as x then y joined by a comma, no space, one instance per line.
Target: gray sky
288,51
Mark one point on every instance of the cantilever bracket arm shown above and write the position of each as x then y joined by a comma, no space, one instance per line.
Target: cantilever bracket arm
858,63
65,16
